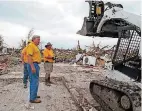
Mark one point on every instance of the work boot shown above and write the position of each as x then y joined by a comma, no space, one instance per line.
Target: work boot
25,85
35,101
47,82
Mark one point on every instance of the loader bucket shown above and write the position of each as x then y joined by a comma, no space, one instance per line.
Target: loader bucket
87,27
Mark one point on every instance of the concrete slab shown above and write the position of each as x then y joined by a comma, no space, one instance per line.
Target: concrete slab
55,98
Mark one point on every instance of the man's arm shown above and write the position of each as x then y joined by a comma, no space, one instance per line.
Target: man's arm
47,55
29,55
50,57
30,61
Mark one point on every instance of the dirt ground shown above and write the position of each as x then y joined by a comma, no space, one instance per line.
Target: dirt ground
54,98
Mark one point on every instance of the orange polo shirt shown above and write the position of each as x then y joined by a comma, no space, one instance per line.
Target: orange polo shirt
25,58
34,51
47,53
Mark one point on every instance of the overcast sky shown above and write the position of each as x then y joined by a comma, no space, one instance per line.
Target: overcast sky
56,21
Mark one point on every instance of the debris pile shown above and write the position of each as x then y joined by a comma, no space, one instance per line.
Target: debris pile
97,56
94,56
98,51
65,55
3,64
76,94
6,62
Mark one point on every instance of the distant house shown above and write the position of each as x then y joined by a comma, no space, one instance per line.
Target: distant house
10,50
4,50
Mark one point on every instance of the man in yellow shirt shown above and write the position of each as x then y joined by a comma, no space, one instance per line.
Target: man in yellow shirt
34,59
49,58
24,62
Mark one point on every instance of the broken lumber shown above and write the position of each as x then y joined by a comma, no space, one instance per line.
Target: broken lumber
80,108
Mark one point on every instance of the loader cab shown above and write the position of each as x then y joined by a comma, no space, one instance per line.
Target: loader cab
90,24
126,57
99,22
96,9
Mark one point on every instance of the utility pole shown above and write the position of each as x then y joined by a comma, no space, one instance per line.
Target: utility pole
78,45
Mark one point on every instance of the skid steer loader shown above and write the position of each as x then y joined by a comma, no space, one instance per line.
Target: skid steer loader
120,88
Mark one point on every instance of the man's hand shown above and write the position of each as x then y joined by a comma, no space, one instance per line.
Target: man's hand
33,70
49,57
53,58
22,62
30,61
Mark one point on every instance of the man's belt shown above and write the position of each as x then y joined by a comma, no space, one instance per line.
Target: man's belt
36,62
47,62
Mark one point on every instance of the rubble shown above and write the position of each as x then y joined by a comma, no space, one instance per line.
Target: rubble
102,54
56,97
7,62
96,56
3,64
65,55
80,108
70,88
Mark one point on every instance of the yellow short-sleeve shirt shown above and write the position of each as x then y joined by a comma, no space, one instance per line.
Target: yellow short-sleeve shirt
47,53
34,52
25,58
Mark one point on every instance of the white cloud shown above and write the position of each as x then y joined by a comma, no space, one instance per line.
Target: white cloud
13,33
56,21
8,29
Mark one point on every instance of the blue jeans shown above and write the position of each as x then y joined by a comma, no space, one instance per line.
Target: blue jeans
25,78
34,81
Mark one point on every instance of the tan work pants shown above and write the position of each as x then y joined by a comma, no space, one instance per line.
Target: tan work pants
48,67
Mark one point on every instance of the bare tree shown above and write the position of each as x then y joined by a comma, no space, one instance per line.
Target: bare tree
22,44
23,41
30,33
1,42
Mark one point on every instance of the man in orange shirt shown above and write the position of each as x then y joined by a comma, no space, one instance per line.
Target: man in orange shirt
49,58
24,62
34,59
